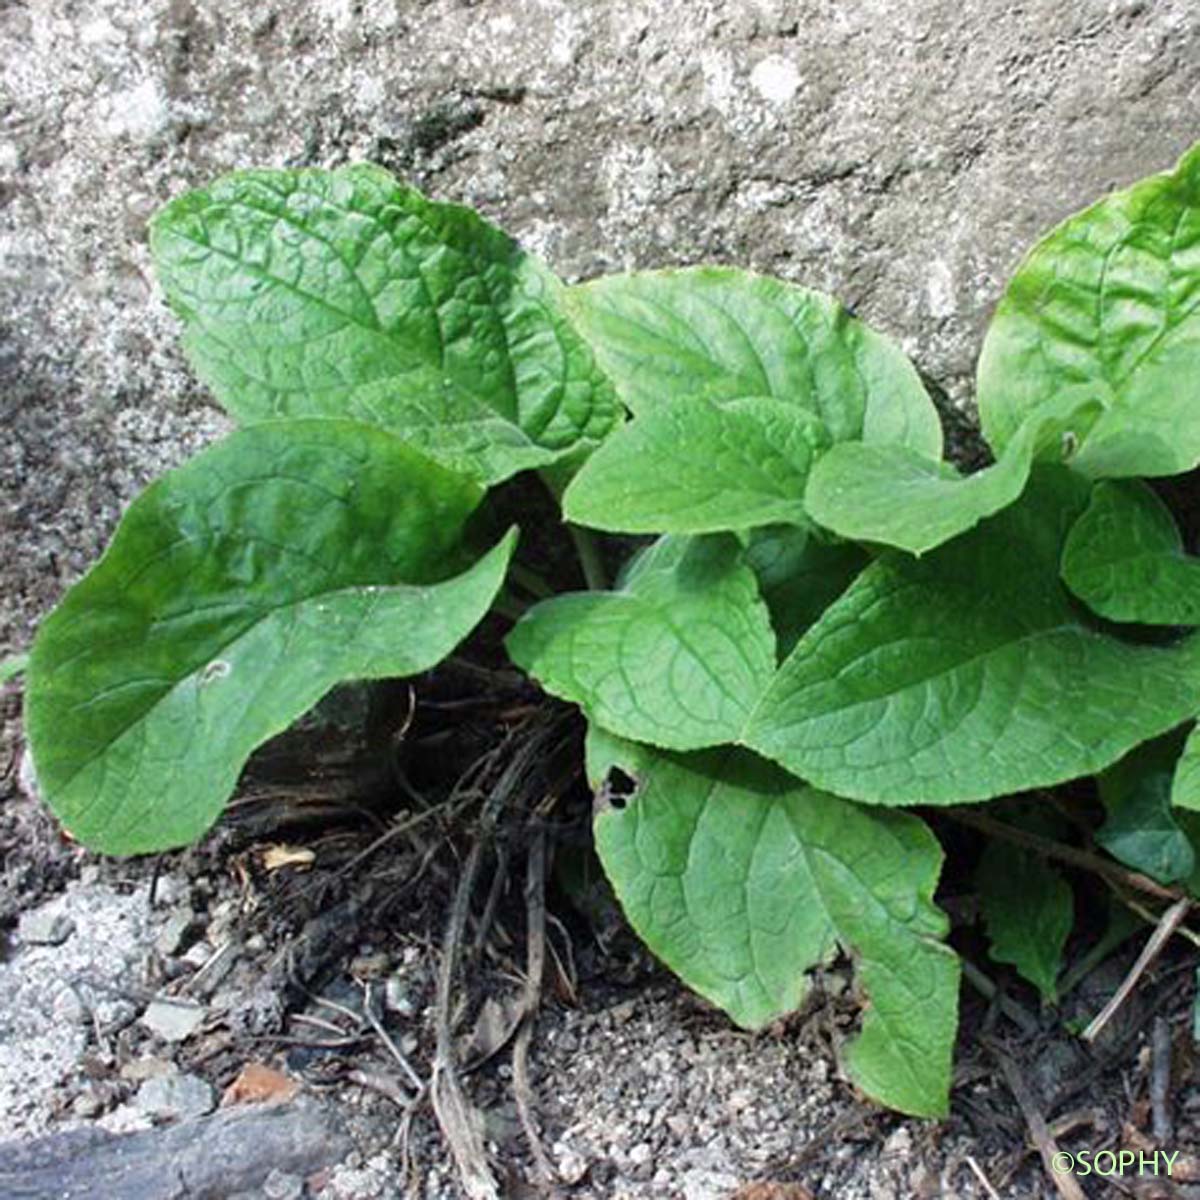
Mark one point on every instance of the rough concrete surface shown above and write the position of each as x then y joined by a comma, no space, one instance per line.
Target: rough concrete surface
900,154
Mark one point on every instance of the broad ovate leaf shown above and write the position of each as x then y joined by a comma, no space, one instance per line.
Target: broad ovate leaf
1105,308
347,294
743,880
677,657
237,591
1125,559
969,673
1029,912
898,497
694,466
723,334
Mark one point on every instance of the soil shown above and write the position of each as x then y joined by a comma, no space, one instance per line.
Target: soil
898,155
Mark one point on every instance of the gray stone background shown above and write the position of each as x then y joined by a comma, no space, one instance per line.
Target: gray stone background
898,153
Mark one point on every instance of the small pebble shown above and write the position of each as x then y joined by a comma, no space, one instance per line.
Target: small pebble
279,1185
171,1020
44,927
176,1098
173,935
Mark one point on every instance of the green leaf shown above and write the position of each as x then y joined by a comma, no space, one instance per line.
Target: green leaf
1185,788
722,334
692,466
237,591
1124,558
799,576
1142,831
346,294
969,673
1105,308
10,668
742,879
1029,911
677,657
896,496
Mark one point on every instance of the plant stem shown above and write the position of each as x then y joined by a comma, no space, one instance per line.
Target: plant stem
589,558
507,605
990,992
1067,854
530,580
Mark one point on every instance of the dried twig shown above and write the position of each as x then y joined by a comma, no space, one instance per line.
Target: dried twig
1067,1187
1160,1082
458,1119
1063,853
984,1182
1167,925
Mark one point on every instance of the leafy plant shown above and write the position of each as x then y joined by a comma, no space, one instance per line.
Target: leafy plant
830,625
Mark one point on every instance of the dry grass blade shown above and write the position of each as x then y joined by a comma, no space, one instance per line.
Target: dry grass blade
459,1121
1168,923
535,908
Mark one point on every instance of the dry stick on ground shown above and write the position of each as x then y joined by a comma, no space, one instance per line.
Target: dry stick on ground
458,1119
1067,854
535,966
1167,925
1160,1082
984,1182
1068,1189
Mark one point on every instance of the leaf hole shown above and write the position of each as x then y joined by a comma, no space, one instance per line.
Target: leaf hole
618,788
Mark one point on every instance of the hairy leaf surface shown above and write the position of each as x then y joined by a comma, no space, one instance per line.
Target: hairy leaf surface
1125,559
724,334
969,673
1105,308
677,657
742,880
346,294
237,591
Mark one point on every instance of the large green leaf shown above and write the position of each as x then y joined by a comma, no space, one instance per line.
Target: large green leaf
969,673
742,880
346,294
237,591
693,466
723,334
897,496
1105,308
1029,911
677,657
1124,558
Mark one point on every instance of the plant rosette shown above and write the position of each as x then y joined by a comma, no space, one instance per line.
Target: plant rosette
825,628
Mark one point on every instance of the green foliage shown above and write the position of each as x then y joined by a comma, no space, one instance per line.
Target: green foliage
1029,911
821,590
742,879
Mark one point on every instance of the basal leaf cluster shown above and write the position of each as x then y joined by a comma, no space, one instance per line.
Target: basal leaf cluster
825,625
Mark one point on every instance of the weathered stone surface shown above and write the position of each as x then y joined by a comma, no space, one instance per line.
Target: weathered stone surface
899,154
